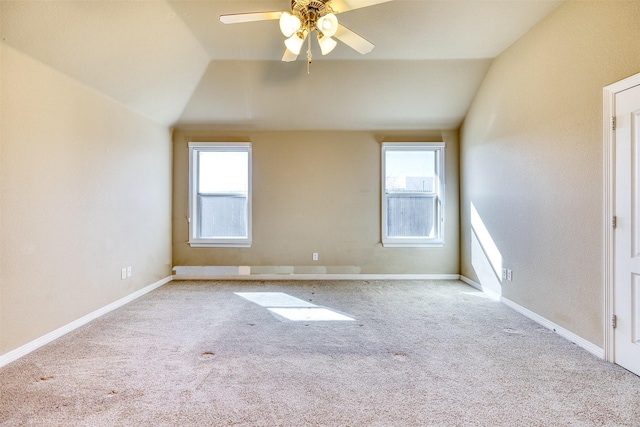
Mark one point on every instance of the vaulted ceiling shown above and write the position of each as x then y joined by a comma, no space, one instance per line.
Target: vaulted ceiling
176,63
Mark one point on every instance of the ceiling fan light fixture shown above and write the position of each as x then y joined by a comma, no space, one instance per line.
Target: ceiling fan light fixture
328,24
294,43
289,24
307,16
327,44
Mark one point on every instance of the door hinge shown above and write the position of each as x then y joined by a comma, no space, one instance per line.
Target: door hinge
613,122
614,221
614,321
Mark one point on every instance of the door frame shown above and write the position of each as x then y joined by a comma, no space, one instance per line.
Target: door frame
609,175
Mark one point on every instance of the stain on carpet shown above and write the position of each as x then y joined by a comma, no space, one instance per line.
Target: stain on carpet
206,355
401,356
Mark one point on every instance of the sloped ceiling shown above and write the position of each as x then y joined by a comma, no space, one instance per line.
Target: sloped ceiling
174,62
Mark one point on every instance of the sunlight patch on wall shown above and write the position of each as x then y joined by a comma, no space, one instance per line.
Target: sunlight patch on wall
486,258
485,239
292,308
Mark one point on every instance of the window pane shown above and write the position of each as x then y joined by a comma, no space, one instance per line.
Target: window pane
412,194
222,216
411,216
410,171
223,172
221,194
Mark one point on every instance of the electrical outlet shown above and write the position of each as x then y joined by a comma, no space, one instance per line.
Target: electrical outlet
315,256
509,275
504,274
129,271
123,273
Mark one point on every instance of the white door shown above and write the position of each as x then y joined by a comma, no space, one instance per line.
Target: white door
626,299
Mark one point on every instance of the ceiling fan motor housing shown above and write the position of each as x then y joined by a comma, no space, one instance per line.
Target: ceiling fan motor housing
309,11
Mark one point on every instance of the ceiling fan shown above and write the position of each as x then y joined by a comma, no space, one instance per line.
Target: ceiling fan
307,16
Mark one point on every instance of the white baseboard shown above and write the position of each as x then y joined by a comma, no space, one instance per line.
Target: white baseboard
288,272
579,341
318,277
14,355
488,292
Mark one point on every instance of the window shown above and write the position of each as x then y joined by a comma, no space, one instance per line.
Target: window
412,194
219,194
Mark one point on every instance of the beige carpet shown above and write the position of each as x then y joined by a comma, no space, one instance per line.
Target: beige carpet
417,354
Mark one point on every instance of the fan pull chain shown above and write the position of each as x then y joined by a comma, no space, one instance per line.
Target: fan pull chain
308,55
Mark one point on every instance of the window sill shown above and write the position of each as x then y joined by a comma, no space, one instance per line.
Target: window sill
412,245
220,244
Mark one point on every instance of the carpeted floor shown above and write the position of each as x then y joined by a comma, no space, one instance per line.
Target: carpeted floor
416,354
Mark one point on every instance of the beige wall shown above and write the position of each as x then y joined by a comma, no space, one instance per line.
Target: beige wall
86,190
531,161
1,185
317,192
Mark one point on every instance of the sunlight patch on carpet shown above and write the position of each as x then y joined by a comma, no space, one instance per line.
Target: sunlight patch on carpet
309,314
292,308
274,299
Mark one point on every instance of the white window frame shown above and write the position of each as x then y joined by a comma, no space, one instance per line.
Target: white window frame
194,149
408,241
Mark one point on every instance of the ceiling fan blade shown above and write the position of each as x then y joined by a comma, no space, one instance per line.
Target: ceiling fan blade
289,56
341,6
235,18
353,40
